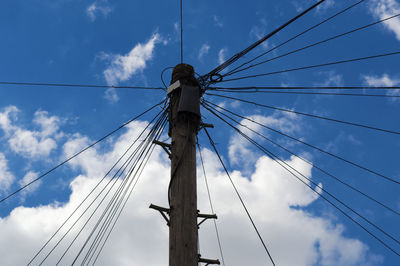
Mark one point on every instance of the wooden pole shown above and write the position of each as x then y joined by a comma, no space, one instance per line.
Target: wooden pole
182,194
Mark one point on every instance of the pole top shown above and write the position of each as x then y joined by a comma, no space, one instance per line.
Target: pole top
185,74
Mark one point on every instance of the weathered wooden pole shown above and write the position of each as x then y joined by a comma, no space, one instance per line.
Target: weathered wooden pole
184,119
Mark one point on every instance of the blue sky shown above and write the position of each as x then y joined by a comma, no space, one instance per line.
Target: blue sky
129,43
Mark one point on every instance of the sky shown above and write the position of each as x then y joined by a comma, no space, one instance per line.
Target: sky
129,43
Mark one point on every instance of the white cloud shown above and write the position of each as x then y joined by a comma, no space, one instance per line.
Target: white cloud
5,120
240,148
259,31
342,139
382,9
325,6
32,144
332,79
218,22
98,8
302,5
123,67
29,177
384,81
141,236
6,177
204,49
222,55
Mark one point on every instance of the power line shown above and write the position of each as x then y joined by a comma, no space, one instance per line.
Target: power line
309,115
278,160
211,205
309,145
112,207
313,66
181,32
256,88
312,45
240,198
137,175
306,161
117,199
77,85
298,35
122,185
90,193
78,153
310,93
119,214
257,43
116,176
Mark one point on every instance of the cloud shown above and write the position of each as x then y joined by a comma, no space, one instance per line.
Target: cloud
382,9
218,22
32,144
342,139
332,79
325,6
6,177
30,176
141,236
222,55
240,148
302,5
98,8
384,81
122,67
203,51
259,31
5,118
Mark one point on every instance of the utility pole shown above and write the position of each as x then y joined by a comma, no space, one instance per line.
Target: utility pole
182,215
183,230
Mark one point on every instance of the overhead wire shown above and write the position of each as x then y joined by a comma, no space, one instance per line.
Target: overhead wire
313,66
290,88
181,17
211,205
122,185
282,163
308,144
78,153
257,43
296,36
91,192
307,161
307,114
77,85
115,178
312,45
119,198
239,196
121,209
295,93
115,202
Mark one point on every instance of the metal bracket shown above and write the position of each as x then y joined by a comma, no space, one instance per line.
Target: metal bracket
173,87
204,125
207,261
166,147
164,211
205,217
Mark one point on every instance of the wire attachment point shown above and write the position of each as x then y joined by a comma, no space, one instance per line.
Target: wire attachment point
208,261
164,212
206,217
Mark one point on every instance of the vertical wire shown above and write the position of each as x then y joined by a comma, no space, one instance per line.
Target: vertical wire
211,205
181,32
239,196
